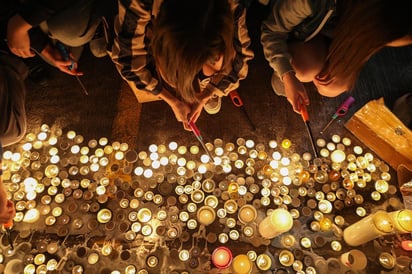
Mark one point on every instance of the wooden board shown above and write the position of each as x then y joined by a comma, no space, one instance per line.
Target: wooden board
379,129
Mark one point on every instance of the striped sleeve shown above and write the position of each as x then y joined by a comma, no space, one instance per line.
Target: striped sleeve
243,53
130,48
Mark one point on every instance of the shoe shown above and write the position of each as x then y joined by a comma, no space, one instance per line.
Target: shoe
277,85
213,105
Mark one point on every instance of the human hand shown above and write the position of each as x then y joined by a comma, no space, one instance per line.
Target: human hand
182,111
18,39
196,110
7,210
55,57
295,92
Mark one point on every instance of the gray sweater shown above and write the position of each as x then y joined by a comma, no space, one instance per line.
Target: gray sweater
292,20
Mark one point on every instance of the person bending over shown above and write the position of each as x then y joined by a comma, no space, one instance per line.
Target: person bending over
327,42
188,53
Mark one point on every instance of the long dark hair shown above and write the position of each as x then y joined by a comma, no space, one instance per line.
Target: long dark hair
365,27
188,33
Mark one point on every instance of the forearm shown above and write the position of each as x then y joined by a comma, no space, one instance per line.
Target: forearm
17,24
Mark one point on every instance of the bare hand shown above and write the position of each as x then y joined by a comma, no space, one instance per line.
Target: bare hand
295,92
54,56
18,39
181,111
196,110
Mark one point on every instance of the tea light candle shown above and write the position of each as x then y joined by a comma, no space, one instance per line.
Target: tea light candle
305,242
247,214
184,255
104,216
206,215
144,215
93,258
222,257
147,230
279,221
263,262
387,260
39,259
107,249
286,143
338,156
336,246
286,258
31,216
230,206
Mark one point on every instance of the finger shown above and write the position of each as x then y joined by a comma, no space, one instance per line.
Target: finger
65,69
194,116
186,126
305,98
296,106
26,53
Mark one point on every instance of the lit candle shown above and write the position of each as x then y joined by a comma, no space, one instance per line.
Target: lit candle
286,143
338,156
247,214
263,262
206,215
387,260
93,258
144,215
222,257
31,216
402,219
368,228
241,264
104,216
107,249
279,221
286,258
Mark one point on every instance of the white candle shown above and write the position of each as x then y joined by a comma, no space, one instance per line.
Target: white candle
278,222
368,228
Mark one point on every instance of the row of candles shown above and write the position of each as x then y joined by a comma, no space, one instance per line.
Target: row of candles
254,190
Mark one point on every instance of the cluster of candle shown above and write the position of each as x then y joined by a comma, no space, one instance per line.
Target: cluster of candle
257,192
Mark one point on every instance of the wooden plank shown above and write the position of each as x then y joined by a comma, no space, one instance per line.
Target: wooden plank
379,129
